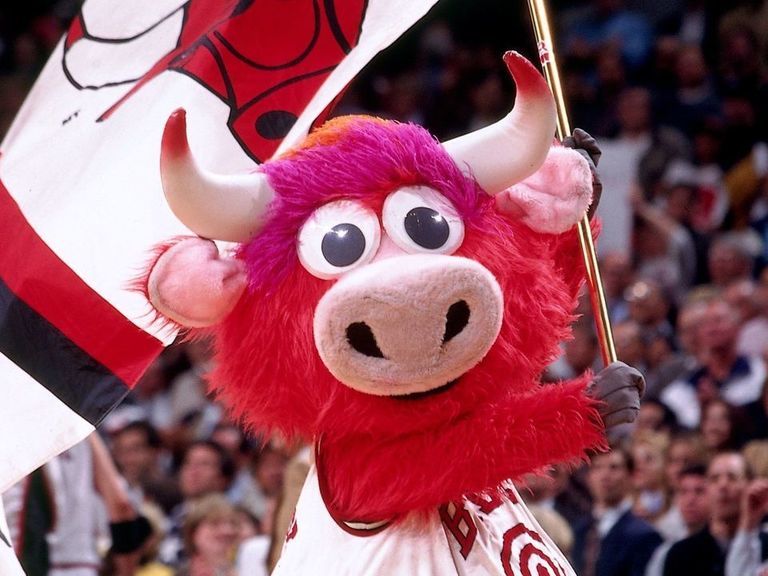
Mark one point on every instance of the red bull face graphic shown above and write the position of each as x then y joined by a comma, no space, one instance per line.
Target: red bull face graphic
264,83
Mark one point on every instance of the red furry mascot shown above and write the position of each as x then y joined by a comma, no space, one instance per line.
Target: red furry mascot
395,300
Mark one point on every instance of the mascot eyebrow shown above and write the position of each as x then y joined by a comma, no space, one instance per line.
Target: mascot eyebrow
395,301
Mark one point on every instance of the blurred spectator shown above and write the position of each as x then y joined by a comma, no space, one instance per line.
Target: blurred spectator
610,80
649,306
705,552
210,537
741,65
691,25
206,468
731,258
654,417
664,365
614,541
489,101
579,354
694,99
260,495
658,260
401,99
689,321
688,515
634,158
721,371
616,273
630,347
659,145
667,248
136,450
720,427
686,449
707,171
652,495
749,550
233,440
606,23
188,391
664,63
695,196
752,15
151,396
744,296
756,455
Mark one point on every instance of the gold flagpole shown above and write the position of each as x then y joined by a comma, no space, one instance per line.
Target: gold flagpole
549,64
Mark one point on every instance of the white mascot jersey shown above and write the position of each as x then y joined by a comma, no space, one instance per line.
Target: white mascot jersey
475,536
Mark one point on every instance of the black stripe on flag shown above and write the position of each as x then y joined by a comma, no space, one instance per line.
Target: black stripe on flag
48,356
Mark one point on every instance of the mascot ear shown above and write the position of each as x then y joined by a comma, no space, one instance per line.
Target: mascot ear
192,286
554,198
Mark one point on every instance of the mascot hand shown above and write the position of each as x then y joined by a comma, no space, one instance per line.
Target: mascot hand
587,146
619,388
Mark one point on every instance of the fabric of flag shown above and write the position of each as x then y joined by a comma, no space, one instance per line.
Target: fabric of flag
81,204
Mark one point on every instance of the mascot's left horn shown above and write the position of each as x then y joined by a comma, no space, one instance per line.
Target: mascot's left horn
220,207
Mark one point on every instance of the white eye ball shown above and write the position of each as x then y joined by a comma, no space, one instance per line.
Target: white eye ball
338,237
420,219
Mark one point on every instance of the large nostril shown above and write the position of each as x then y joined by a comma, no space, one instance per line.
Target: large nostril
361,338
456,320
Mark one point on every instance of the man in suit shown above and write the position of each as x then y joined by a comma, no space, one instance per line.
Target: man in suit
613,542
704,553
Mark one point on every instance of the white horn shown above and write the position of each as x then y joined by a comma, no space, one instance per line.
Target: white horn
513,148
219,207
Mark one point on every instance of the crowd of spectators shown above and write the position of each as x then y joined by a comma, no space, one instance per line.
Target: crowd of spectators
676,92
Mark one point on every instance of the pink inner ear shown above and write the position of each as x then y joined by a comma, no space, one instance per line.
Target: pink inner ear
193,286
554,198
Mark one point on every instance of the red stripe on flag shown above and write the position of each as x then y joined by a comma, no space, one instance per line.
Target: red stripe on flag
42,280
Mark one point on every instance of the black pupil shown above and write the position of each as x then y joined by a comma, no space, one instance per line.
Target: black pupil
427,227
343,245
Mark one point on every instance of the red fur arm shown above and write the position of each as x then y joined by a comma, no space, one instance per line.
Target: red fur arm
556,423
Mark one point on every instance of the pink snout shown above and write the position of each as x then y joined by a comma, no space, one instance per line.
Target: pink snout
408,324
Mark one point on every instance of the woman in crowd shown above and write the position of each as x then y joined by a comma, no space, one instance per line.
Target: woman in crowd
211,536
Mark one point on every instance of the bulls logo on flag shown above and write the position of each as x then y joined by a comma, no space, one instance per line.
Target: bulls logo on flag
81,204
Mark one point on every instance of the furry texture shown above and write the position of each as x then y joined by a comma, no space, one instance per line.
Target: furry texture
385,456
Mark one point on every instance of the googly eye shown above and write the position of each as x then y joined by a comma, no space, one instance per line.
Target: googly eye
420,219
338,237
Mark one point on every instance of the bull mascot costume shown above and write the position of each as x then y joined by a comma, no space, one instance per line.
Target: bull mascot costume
395,300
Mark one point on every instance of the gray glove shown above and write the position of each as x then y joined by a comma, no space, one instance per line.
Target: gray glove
619,388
